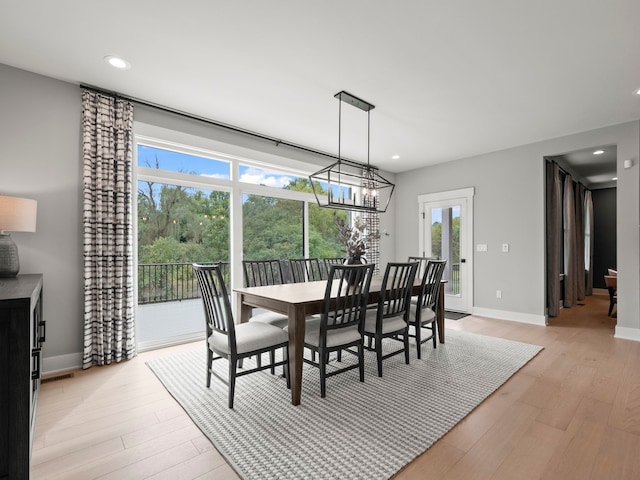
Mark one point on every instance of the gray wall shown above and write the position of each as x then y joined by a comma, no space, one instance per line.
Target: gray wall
40,159
509,208
604,233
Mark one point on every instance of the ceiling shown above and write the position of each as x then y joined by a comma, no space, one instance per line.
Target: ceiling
448,80
593,170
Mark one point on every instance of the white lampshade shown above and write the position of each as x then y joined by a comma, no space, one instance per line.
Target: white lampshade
17,214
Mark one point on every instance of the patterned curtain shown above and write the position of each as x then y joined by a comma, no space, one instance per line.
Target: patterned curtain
372,221
107,136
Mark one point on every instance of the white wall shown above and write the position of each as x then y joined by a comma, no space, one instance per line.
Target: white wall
509,208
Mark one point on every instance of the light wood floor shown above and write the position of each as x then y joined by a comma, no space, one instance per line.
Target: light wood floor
573,412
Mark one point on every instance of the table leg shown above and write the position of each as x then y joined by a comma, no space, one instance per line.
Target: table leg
296,350
243,311
440,313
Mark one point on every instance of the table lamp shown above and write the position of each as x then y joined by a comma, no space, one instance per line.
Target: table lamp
16,215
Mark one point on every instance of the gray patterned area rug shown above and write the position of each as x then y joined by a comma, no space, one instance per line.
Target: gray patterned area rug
364,430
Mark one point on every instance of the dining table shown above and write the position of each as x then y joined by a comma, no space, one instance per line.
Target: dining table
298,301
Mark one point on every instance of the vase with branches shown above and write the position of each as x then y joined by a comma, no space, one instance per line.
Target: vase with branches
353,238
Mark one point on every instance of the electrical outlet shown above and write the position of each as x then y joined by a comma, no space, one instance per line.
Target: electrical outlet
498,293
505,247
481,247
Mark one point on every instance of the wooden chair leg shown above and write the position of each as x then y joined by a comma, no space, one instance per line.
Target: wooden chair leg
379,354
285,367
209,364
323,360
232,380
361,360
434,333
418,329
272,358
406,346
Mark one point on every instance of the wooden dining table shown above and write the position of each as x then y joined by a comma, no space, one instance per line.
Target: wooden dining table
298,301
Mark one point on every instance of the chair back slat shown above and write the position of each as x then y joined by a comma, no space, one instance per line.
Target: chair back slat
346,295
397,285
430,285
258,273
305,270
215,300
422,263
328,262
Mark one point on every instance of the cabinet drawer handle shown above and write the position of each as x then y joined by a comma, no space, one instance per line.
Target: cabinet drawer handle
35,353
43,331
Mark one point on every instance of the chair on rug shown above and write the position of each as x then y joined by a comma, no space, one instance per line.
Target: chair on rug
340,324
388,319
258,273
422,314
305,270
235,342
329,261
611,282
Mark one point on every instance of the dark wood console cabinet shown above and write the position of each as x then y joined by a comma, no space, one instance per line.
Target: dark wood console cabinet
22,331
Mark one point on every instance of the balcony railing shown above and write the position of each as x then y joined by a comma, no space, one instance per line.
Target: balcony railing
173,282
169,282
453,287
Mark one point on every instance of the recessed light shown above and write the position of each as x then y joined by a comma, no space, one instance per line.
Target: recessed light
117,62
614,178
636,92
395,157
598,152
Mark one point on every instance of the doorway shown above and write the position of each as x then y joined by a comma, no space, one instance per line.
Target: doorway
446,223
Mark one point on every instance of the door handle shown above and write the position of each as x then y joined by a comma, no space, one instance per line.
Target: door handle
463,260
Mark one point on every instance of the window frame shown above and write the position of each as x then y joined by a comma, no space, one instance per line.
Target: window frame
236,188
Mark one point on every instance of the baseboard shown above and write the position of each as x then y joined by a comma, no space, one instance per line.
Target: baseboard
61,363
512,316
627,333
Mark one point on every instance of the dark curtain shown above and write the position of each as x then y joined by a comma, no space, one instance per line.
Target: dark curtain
588,229
554,238
569,224
579,236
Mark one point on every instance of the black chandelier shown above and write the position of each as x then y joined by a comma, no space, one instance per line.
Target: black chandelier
349,185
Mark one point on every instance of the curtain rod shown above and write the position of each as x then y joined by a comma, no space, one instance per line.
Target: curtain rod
566,173
209,121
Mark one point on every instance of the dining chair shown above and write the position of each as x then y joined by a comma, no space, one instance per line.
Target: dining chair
389,317
259,273
422,314
611,282
235,342
339,327
329,261
422,263
305,270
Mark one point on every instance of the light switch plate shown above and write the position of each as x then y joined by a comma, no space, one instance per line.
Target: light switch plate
481,247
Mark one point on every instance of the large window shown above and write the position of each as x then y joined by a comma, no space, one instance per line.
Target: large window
272,228
192,206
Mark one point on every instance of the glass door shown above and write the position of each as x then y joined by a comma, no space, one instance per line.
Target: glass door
446,235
